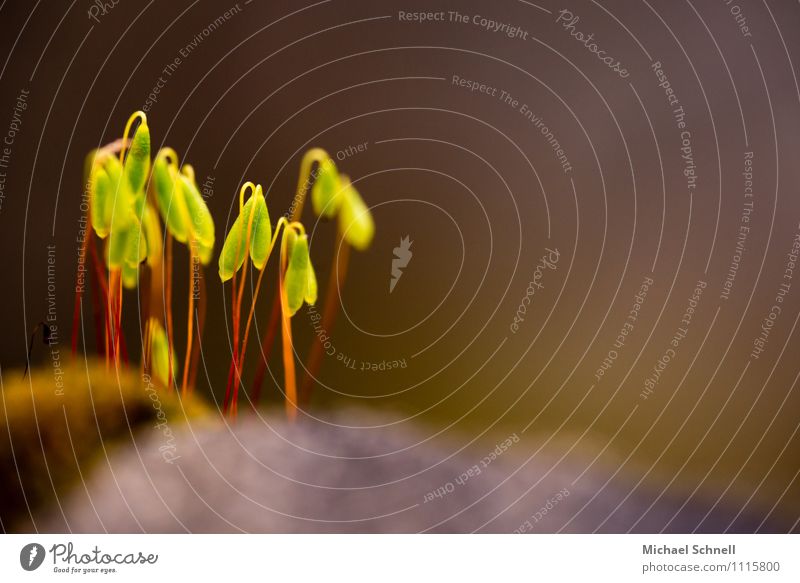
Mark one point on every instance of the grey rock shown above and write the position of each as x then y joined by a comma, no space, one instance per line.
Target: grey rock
265,475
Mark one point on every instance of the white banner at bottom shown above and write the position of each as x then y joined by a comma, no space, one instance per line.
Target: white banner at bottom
356,558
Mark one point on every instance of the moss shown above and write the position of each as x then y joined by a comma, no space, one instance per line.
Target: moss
53,427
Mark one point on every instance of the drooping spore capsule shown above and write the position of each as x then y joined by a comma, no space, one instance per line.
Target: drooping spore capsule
169,196
260,230
137,162
100,192
201,224
325,194
152,235
160,354
311,287
355,219
234,247
296,278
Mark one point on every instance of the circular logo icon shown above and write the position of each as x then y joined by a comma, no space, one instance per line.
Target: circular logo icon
31,556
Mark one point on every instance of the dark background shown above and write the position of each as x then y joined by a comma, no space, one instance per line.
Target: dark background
481,194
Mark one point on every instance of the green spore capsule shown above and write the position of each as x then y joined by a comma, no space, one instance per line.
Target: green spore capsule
160,354
137,162
355,219
130,276
325,196
117,204
205,253
296,278
233,250
261,230
100,193
152,235
135,245
311,288
116,247
201,223
169,196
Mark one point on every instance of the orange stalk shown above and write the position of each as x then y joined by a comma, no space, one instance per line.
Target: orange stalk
118,331
290,385
99,298
168,305
79,290
315,155
330,309
281,223
201,322
189,326
112,346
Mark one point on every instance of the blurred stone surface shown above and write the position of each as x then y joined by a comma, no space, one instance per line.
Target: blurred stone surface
264,475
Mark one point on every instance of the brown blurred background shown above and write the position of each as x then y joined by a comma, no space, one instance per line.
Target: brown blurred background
481,193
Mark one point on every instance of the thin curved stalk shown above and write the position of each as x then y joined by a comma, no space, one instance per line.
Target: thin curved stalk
84,251
330,309
237,372
125,141
117,273
168,306
201,323
114,315
145,297
234,372
189,326
290,384
232,368
118,321
147,347
315,155
282,222
87,247
99,299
